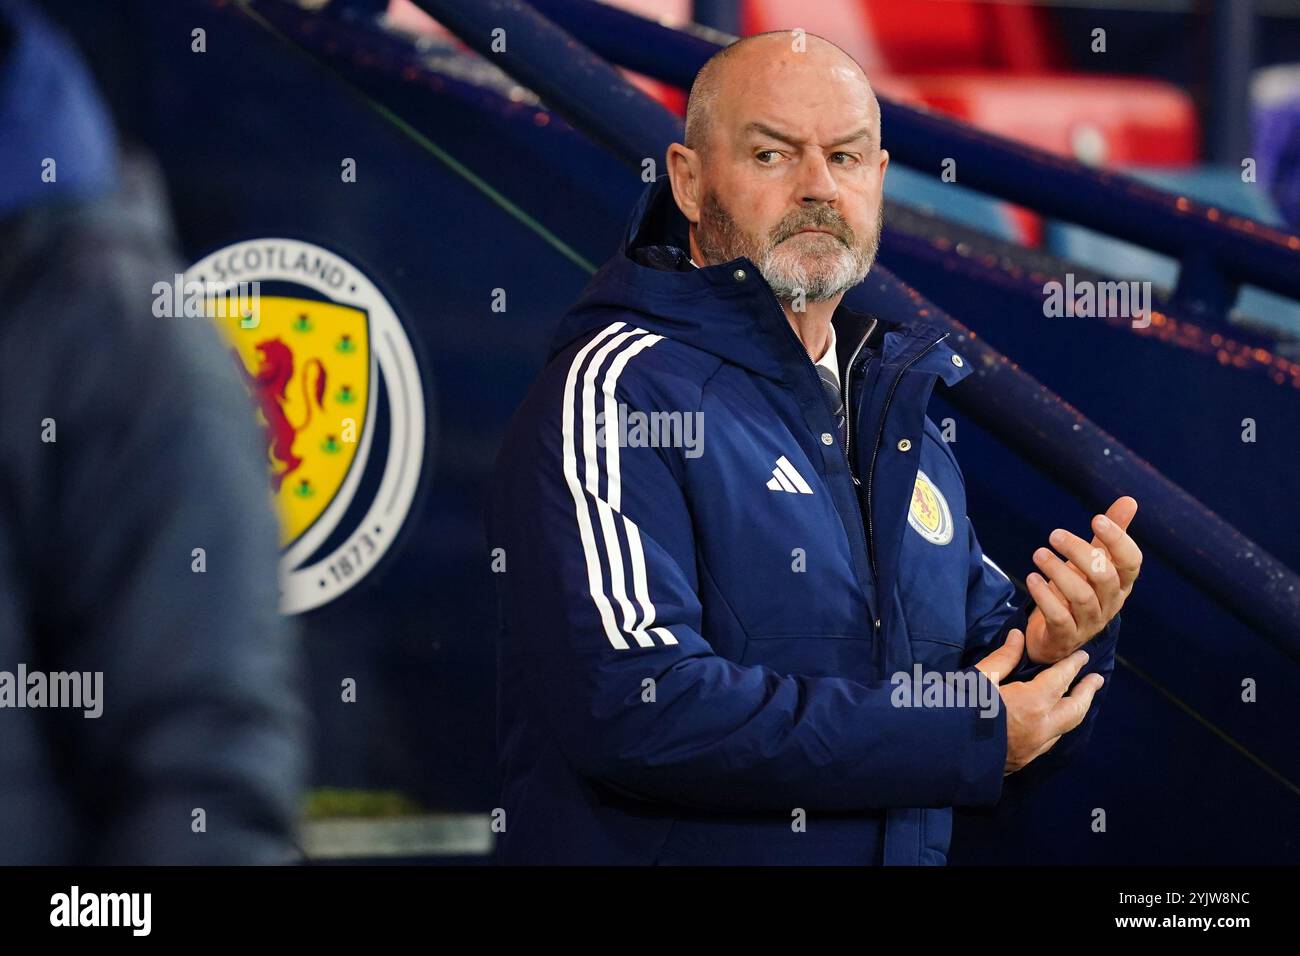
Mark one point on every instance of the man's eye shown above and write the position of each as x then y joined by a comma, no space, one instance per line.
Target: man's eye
849,157
765,152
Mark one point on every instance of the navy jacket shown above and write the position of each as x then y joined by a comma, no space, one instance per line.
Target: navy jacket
700,640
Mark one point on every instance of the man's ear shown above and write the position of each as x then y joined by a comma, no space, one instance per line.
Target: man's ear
883,161
684,175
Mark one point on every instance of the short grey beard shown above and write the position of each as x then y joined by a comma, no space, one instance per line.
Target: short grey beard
721,239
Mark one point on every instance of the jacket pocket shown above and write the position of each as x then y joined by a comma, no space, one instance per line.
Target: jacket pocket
937,654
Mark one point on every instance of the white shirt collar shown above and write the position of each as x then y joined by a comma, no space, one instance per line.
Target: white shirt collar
828,359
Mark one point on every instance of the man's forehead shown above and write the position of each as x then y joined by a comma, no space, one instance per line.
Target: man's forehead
772,59
821,95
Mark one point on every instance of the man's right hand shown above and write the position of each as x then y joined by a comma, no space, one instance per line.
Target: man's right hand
1038,711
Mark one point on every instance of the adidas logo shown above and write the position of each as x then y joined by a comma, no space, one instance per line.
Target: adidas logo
785,478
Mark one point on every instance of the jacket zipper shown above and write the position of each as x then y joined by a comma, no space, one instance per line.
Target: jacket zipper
875,452
848,377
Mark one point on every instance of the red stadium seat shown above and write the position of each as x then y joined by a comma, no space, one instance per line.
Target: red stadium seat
1115,121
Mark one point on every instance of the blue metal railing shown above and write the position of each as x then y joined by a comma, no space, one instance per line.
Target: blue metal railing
522,42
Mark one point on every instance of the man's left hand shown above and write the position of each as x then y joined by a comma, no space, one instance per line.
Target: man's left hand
1078,597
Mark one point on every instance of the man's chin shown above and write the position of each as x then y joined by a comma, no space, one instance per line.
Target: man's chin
815,281
813,292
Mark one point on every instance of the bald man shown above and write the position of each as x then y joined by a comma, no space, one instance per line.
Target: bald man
745,618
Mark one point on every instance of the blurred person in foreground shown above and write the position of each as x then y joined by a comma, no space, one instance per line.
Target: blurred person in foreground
128,446
745,616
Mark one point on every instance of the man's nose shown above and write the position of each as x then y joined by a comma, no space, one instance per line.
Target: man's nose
817,184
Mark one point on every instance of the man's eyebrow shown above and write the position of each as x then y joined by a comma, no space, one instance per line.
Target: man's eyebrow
864,133
764,130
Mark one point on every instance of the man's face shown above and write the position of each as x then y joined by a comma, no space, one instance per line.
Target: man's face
793,177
